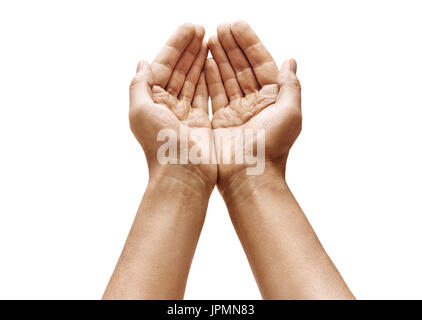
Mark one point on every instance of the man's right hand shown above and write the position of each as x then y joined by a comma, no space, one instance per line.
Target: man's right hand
249,92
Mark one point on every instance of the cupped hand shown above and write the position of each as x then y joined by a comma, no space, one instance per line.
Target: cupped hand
249,92
171,94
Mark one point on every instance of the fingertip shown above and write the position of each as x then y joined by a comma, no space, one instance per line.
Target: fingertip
142,64
139,66
204,45
223,27
287,74
143,71
289,65
212,41
224,34
205,49
284,65
188,28
239,25
293,65
199,31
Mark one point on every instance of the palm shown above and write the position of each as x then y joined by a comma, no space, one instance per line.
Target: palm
176,97
174,111
244,82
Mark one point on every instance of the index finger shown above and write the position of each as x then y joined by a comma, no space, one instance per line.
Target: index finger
163,64
262,62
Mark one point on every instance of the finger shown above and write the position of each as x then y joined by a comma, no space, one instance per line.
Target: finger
263,64
183,65
244,73
290,90
191,79
215,86
227,74
201,94
163,65
140,87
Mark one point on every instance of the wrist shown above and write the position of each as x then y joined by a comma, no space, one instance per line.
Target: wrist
181,179
241,187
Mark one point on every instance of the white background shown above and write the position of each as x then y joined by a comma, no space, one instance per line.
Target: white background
72,175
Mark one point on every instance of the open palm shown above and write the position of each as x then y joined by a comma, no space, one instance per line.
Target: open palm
249,92
172,94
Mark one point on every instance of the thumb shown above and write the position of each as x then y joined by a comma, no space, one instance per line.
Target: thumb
141,85
290,90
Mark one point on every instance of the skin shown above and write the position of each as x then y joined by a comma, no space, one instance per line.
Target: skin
249,92
170,93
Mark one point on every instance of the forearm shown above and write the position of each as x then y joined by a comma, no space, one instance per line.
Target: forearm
156,258
285,254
